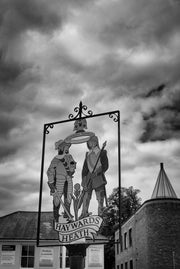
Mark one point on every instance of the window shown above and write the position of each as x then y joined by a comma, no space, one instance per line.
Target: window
131,264
117,266
67,262
125,241
121,245
117,246
130,237
126,265
27,256
60,257
121,265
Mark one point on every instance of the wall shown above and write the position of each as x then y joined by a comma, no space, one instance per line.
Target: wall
47,257
137,252
156,236
95,257
14,257
140,239
10,259
163,218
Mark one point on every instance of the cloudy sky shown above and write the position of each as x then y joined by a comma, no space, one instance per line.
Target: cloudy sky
111,55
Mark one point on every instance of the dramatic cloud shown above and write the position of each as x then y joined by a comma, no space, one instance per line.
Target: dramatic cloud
163,121
112,55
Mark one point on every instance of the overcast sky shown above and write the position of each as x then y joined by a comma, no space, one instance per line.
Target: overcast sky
111,55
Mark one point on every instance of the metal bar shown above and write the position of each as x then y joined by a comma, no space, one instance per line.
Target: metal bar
119,174
84,117
41,184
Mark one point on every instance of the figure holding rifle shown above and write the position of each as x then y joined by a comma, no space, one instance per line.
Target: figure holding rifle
93,176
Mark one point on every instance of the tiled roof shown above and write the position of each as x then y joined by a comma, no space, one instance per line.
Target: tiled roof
23,225
163,187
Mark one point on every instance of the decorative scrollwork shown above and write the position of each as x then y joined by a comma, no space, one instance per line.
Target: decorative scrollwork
48,126
114,116
80,111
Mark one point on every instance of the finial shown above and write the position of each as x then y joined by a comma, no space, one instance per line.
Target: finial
80,109
163,187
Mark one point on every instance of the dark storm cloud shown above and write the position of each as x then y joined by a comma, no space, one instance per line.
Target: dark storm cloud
9,71
156,91
133,27
7,150
140,22
7,198
126,79
13,192
163,122
18,16
8,122
120,77
15,102
8,145
49,112
24,185
19,81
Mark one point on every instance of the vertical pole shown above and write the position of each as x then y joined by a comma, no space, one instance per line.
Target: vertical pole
41,185
119,174
77,254
80,109
173,256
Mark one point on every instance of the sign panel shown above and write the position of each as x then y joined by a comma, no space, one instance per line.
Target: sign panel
8,254
96,256
75,230
46,257
80,168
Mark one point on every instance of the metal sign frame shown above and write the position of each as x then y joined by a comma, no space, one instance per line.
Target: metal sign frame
82,113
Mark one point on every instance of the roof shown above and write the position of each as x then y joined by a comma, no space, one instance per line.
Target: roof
163,187
22,225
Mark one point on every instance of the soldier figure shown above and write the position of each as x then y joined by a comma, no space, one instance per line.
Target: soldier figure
60,174
94,179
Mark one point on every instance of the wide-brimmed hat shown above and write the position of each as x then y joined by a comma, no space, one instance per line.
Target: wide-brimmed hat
58,143
94,139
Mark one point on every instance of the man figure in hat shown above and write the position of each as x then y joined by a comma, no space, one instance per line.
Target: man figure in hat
93,175
60,174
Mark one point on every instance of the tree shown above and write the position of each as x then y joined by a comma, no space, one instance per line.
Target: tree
117,212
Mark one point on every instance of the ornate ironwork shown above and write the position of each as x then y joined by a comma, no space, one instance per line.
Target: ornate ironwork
48,126
114,116
80,111
80,135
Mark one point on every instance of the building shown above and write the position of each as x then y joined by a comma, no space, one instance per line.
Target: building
150,239
18,233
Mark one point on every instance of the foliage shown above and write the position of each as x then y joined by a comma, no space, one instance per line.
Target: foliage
117,212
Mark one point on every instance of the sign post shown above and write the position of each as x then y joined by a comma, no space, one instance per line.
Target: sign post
78,177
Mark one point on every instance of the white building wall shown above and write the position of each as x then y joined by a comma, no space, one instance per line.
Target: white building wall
49,257
95,257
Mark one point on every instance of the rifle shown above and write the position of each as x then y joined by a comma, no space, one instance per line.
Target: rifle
106,200
89,179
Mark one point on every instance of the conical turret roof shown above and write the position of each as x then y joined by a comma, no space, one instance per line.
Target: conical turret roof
163,187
